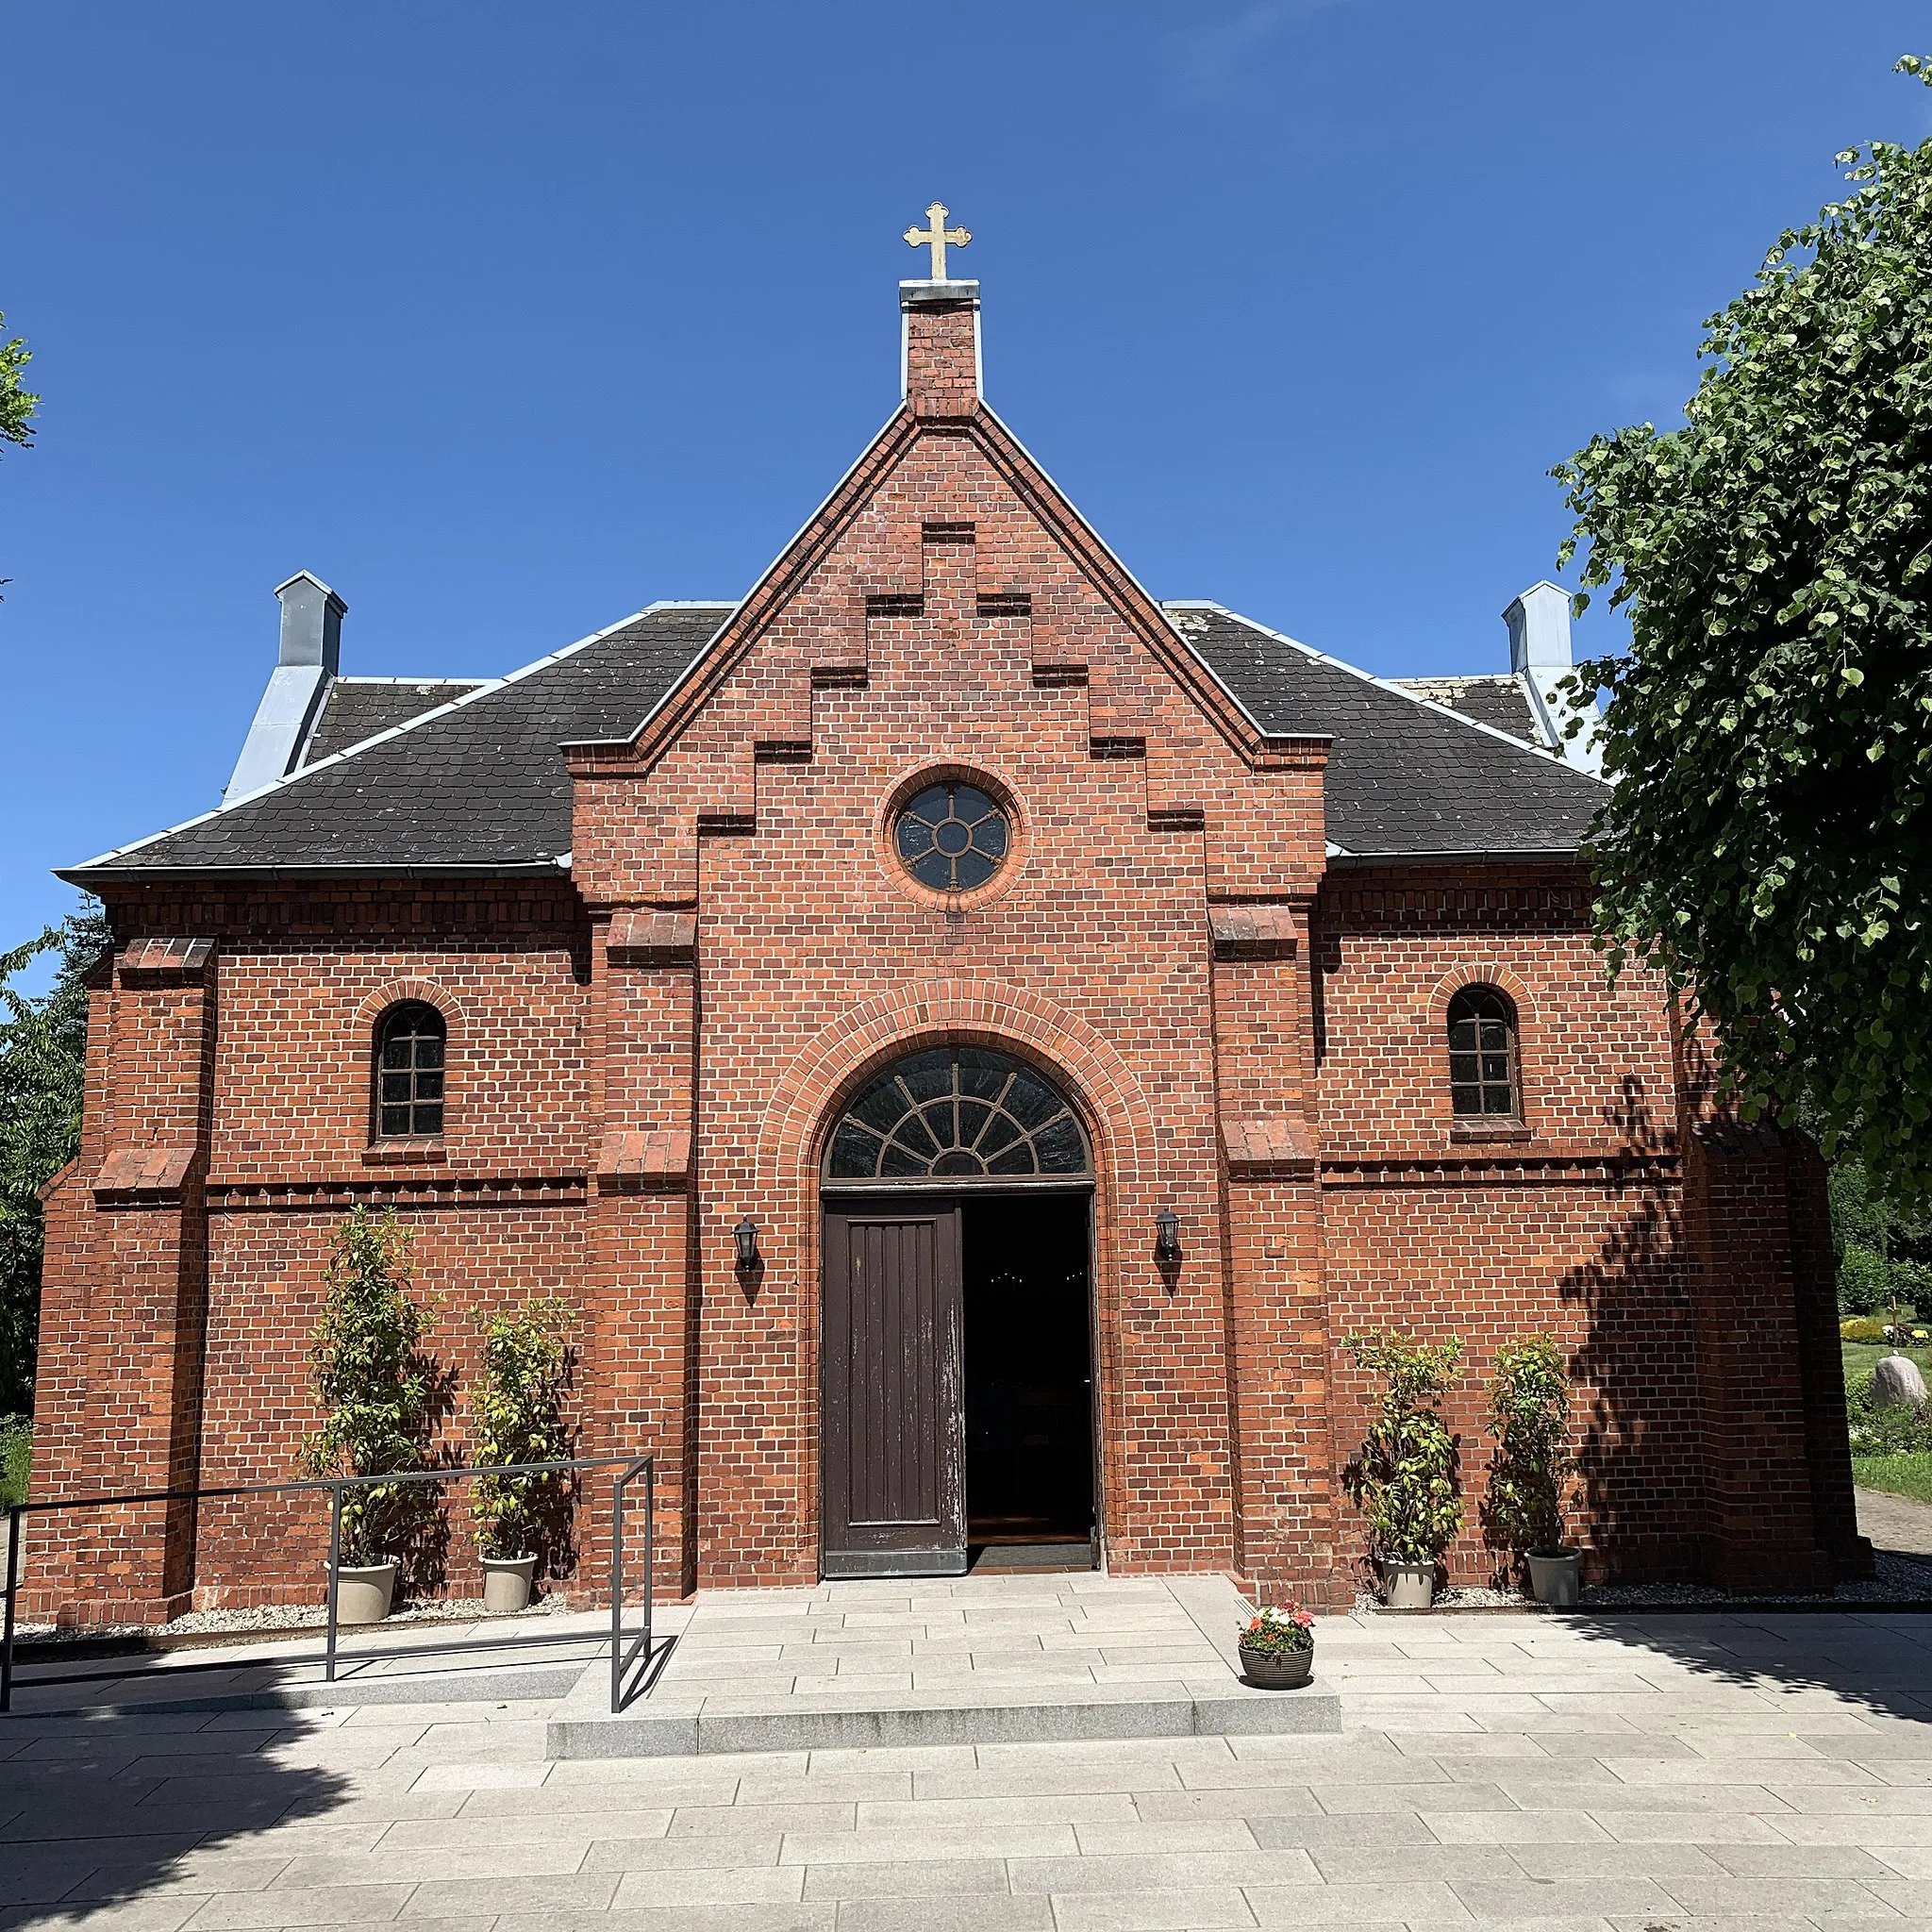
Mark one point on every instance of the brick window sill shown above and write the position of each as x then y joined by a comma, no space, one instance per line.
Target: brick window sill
412,1153
1497,1130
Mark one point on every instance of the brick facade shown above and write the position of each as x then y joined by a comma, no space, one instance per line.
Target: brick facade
653,1047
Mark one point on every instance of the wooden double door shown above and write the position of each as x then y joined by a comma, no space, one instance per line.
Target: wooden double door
902,1379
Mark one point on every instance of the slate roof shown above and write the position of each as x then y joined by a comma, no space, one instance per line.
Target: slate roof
1406,777
477,783
1498,701
359,708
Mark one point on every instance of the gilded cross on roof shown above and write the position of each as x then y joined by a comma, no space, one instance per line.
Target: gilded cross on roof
935,235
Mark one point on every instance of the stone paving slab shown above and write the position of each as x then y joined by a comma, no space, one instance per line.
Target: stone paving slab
1434,1811
283,1670
871,1665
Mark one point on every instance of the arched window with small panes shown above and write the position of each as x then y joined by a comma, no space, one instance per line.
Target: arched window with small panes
410,1044
1483,1074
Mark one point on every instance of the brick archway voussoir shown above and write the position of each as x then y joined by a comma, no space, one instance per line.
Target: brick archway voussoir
393,992
1485,973
807,1088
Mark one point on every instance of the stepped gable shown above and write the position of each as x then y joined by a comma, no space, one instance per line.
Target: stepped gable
1405,778
478,786
358,708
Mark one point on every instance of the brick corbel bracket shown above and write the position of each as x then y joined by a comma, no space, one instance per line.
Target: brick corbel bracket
144,1173
1252,932
165,962
1279,1146
644,1164
156,1173
652,938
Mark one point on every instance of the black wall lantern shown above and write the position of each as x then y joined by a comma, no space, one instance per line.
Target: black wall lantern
1167,1238
746,1235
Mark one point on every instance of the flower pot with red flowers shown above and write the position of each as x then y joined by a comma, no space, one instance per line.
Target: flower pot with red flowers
1277,1648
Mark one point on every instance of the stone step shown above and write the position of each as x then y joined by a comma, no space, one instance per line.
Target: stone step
720,1684
141,1693
585,1726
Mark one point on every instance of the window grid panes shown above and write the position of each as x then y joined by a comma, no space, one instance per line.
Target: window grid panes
409,1071
957,1114
1482,1055
951,837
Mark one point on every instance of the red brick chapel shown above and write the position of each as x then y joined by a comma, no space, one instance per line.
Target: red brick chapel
971,1039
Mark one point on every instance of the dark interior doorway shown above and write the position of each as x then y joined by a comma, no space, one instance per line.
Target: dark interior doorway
1029,1391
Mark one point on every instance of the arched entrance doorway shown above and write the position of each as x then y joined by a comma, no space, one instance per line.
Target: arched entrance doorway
959,1416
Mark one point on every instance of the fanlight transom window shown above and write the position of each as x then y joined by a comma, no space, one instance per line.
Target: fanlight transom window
957,1114
408,1071
1482,1055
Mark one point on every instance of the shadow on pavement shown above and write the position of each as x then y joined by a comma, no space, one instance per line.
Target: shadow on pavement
1897,1525
98,1811
1882,1664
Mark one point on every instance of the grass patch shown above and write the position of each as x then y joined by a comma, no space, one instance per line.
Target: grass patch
1861,1358
16,1452
1903,1475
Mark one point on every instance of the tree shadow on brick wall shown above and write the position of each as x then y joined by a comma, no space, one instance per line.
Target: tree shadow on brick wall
1640,1480
100,1812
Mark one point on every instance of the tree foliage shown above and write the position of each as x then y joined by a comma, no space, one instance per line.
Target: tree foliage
1770,732
17,407
17,402
1529,1417
376,1388
517,1415
43,1065
1403,1478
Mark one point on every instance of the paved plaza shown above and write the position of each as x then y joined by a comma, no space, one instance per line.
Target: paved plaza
987,1659
1497,1770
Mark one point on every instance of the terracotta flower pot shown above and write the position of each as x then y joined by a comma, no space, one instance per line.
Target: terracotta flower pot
1407,1586
1553,1577
506,1582
1285,1669
365,1590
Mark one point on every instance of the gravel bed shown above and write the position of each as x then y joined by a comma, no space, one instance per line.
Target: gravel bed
1899,1580
268,1618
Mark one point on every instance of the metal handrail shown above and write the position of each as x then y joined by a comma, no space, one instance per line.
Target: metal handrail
630,1468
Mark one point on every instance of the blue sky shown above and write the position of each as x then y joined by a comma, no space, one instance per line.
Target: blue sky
506,321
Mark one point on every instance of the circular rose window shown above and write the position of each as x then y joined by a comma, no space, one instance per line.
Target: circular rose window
951,837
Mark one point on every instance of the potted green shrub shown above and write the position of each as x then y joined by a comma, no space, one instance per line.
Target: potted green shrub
1529,1417
517,1415
1279,1648
1403,1478
376,1388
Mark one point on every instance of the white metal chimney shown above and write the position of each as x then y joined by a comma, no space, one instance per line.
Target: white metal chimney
1540,656
310,654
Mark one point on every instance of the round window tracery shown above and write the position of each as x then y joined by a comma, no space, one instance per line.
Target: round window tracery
952,836
957,1114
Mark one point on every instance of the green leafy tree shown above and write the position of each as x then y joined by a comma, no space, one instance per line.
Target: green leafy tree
1770,731
1864,1281
1882,1249
42,1066
376,1388
1403,1478
17,403
1529,1417
517,1415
